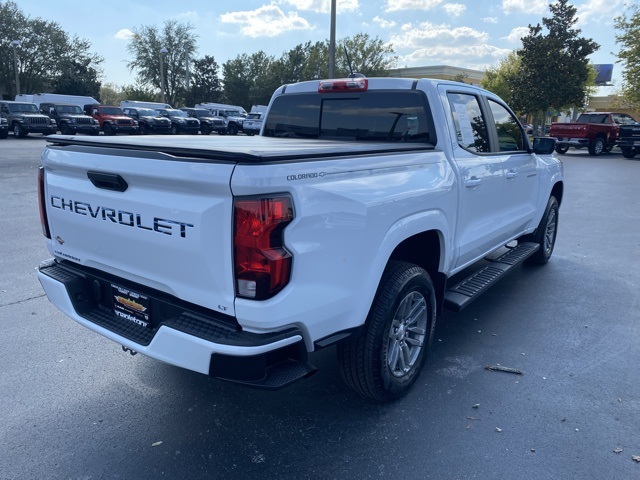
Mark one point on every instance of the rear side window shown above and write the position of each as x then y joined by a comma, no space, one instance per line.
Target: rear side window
381,116
470,124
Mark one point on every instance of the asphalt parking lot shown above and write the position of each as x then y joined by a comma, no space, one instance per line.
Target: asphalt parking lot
74,406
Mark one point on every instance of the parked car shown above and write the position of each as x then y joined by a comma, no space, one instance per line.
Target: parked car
180,121
253,123
4,128
629,140
233,115
112,119
70,118
24,118
208,122
149,121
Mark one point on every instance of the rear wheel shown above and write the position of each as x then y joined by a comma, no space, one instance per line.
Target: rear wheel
545,234
562,149
232,129
597,146
384,361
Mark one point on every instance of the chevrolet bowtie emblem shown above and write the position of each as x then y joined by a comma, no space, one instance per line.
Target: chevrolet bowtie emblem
59,240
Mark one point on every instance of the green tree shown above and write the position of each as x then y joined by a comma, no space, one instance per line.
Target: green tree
554,68
628,38
140,92
48,56
111,94
205,86
369,56
498,79
146,45
78,74
248,79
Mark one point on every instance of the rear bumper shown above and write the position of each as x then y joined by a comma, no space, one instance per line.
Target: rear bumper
179,333
572,142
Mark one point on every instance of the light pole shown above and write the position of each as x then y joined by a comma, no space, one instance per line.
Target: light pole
15,44
163,50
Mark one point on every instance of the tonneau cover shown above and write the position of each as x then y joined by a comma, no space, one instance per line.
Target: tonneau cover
237,149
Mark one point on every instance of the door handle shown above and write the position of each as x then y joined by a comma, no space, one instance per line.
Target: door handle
511,174
472,182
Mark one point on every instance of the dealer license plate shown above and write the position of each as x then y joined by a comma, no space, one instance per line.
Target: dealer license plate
131,306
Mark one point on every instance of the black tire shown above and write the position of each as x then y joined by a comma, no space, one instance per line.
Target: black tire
205,129
628,152
108,129
232,129
64,129
597,146
545,234
18,131
386,358
4,133
143,129
562,149
174,129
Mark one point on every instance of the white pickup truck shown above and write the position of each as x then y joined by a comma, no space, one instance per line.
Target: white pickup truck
343,223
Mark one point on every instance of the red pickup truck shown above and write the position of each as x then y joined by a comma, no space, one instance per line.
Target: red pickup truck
598,131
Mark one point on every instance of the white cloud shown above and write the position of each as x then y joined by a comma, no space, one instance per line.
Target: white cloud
490,20
124,34
454,9
477,57
516,34
525,6
394,5
266,21
593,9
442,35
189,16
324,6
384,23
429,43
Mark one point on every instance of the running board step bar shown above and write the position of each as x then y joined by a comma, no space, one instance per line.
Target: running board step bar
472,287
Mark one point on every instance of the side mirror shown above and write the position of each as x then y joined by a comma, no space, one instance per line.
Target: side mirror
544,145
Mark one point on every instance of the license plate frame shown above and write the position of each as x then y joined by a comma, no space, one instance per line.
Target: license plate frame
131,306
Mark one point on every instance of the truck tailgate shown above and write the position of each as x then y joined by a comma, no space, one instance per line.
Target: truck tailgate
146,217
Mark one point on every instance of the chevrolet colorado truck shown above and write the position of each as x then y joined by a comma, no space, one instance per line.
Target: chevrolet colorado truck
348,221
598,131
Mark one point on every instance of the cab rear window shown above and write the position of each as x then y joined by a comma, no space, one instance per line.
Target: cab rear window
381,116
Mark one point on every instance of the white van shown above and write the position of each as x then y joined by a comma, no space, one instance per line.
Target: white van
137,104
39,98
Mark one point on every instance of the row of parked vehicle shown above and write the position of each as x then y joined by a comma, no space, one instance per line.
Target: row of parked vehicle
72,114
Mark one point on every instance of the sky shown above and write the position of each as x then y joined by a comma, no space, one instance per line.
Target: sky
473,34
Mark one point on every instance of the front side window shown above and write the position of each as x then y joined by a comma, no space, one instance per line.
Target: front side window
470,124
510,135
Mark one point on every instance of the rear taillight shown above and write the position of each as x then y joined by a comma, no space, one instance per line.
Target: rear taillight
43,210
262,263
